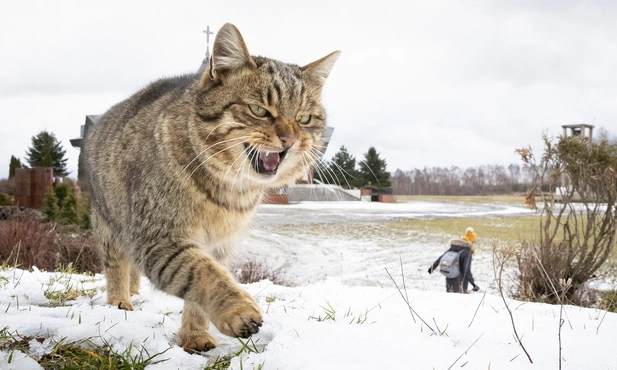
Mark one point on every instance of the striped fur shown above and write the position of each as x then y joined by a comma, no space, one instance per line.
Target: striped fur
177,170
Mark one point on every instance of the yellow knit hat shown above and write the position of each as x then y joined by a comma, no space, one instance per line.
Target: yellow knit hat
470,235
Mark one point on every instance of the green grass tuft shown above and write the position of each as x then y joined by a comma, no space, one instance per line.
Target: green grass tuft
87,355
82,354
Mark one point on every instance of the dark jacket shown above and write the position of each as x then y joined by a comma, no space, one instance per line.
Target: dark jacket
466,277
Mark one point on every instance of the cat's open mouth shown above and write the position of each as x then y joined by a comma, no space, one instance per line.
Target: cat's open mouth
264,162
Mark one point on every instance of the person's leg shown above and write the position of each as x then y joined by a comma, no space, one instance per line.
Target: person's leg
453,285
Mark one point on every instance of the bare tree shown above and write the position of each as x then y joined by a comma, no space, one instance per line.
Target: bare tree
576,181
483,180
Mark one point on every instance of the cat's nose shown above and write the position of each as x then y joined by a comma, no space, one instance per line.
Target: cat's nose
288,141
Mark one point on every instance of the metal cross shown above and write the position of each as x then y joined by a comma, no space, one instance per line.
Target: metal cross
208,33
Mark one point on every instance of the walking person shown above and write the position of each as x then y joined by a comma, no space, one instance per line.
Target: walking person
455,263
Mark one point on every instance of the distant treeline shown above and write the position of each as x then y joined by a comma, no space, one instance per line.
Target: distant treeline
482,180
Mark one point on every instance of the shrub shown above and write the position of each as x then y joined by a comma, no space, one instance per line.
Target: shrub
254,271
7,186
51,210
85,206
609,300
5,200
63,206
579,221
68,210
62,191
27,241
77,248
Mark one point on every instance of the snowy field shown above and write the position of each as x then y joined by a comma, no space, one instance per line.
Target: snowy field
353,242
342,310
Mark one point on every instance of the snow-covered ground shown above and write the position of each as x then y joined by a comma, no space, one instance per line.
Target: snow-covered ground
354,242
343,310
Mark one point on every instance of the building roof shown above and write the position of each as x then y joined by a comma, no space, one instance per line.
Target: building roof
91,119
578,125
326,138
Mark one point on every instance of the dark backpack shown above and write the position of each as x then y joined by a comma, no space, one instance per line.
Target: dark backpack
449,266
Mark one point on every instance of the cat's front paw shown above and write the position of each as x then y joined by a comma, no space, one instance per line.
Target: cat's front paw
122,304
239,318
193,342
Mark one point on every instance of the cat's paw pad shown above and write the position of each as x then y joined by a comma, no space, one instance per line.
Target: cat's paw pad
241,319
196,342
122,304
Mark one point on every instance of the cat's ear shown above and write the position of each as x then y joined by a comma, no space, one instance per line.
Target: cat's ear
320,69
229,54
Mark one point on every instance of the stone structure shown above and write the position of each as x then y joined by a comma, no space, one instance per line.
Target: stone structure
79,144
582,129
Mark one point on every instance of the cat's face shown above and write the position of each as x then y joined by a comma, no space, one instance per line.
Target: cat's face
262,119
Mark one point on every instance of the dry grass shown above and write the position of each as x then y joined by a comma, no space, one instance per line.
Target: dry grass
515,199
504,229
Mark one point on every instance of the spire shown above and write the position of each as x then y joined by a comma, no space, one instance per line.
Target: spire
204,63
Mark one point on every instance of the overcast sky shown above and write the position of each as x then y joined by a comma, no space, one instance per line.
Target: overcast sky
427,83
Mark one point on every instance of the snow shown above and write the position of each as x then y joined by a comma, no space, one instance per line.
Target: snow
319,212
343,310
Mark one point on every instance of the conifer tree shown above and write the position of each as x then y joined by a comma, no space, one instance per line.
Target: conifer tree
373,170
63,206
14,164
46,151
51,209
68,213
341,170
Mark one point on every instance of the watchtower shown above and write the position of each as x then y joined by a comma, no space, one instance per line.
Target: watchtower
582,129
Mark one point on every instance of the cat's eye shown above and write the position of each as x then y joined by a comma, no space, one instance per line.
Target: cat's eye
304,119
258,111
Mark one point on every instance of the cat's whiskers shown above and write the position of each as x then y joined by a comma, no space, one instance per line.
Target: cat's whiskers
307,167
220,151
254,153
245,161
206,149
316,157
330,171
244,156
202,162
317,147
369,168
206,140
343,172
241,168
323,169
321,146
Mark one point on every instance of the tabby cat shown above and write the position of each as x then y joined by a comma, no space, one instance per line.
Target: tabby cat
176,173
